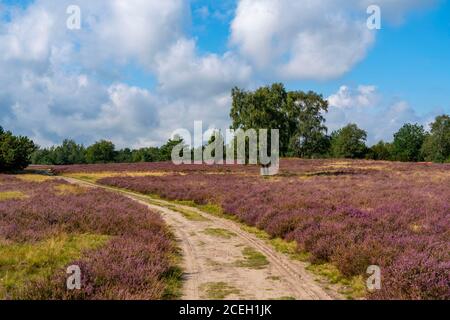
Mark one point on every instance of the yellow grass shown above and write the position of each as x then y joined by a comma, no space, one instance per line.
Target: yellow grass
33,178
12,195
64,189
95,176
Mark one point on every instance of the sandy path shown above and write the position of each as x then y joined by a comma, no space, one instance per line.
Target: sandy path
214,258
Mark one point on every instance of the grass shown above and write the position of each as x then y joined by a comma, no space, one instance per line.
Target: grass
64,189
33,178
353,288
252,259
95,176
218,290
12,195
219,233
20,263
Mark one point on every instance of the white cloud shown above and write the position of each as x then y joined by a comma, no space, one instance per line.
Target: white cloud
320,39
56,83
27,37
365,107
182,72
346,98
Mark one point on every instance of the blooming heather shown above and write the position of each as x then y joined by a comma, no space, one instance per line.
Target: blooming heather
349,213
132,265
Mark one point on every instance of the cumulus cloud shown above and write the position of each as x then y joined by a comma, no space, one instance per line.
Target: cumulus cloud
319,39
57,83
346,97
366,107
182,72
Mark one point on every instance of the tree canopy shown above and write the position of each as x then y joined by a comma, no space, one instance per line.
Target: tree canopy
15,151
298,116
408,143
436,146
349,142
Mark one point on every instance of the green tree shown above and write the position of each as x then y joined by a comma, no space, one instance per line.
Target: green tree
436,146
69,153
43,156
124,156
263,109
298,116
165,152
408,143
381,151
101,152
15,152
151,154
349,142
307,124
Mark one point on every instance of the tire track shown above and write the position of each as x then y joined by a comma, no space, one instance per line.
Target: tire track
209,261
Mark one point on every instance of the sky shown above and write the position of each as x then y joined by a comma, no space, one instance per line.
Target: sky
137,70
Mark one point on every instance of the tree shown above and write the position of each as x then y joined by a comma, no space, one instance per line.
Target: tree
151,154
349,142
124,156
298,116
263,109
380,151
408,143
165,152
69,153
305,114
436,146
15,152
101,152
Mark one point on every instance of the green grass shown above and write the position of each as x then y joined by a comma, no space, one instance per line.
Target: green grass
218,290
219,233
285,298
173,278
20,263
252,259
351,288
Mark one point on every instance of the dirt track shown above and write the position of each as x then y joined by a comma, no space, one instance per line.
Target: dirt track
221,261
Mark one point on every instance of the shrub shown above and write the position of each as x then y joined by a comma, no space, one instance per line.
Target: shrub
15,152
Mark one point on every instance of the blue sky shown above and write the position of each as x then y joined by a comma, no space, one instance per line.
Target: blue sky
138,70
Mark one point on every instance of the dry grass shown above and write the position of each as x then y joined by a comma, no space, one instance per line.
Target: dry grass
33,178
95,176
12,195
64,189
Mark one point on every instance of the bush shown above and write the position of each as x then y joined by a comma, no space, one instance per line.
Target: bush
15,152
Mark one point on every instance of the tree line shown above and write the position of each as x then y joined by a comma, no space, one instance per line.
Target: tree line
303,133
298,115
69,152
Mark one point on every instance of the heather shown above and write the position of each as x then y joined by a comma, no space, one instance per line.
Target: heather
123,249
351,214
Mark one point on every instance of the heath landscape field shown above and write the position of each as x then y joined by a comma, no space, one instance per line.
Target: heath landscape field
249,150
339,216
